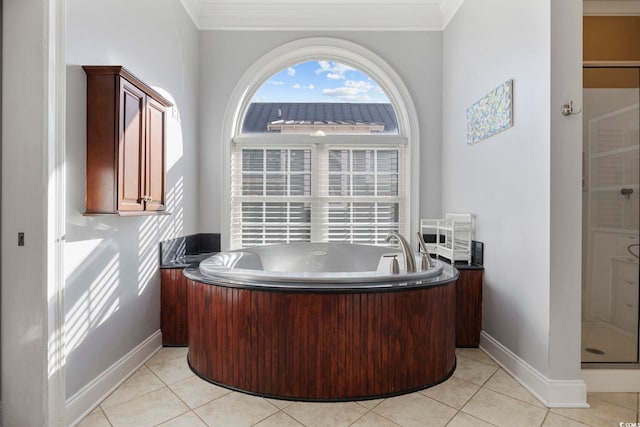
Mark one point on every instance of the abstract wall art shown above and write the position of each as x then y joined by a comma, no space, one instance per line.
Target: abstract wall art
491,114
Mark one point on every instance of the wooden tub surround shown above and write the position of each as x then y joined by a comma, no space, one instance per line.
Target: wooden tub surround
323,344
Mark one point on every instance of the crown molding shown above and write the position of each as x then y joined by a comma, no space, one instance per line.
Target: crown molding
448,9
611,7
338,15
192,7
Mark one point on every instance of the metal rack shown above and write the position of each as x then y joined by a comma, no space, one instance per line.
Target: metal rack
453,236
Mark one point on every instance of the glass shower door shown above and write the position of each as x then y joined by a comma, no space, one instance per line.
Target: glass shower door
611,184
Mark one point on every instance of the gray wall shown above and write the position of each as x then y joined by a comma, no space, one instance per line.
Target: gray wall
566,192
524,183
24,208
1,9
112,295
226,55
505,179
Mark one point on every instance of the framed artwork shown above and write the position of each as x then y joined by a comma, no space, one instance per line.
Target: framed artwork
491,114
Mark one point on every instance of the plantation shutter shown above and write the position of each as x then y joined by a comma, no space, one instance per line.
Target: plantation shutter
334,190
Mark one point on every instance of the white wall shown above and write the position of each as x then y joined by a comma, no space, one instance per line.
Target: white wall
566,192
504,180
523,184
225,56
24,209
112,291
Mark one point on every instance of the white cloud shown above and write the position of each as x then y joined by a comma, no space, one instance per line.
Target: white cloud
334,70
273,82
351,91
296,86
309,87
291,71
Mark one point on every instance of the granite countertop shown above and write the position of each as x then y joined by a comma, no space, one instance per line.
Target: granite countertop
185,251
187,260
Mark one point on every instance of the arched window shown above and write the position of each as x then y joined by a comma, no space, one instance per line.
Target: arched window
319,155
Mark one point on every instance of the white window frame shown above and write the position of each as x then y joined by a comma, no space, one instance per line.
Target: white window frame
319,197
335,50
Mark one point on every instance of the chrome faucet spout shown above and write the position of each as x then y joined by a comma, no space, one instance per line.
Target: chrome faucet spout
409,261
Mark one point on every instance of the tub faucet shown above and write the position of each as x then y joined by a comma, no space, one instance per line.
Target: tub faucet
409,262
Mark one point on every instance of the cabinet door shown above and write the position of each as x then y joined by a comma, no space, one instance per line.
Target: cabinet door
155,153
173,307
130,148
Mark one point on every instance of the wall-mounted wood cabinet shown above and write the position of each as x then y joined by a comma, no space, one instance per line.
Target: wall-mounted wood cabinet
126,139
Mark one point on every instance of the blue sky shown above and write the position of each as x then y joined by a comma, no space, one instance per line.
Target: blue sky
320,81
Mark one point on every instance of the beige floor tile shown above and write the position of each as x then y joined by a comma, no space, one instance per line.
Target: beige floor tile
370,404
279,419
96,410
415,409
555,420
504,383
95,419
147,410
141,382
600,414
473,371
168,353
626,400
195,391
171,370
235,409
185,420
280,403
325,414
373,420
453,392
504,411
476,354
466,420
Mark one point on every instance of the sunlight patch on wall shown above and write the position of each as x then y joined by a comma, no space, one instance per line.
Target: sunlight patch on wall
148,258
173,226
95,305
76,253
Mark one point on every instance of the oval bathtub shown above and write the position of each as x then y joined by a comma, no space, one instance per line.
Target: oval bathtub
312,264
320,321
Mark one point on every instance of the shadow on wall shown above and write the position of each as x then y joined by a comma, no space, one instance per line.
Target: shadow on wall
112,279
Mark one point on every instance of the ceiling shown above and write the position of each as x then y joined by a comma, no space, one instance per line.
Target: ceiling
350,15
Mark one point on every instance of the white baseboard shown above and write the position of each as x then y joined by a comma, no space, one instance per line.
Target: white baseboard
552,393
84,401
612,380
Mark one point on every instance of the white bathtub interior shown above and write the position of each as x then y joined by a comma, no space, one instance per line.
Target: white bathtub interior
314,263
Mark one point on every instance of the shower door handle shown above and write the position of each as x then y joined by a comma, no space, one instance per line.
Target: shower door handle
626,192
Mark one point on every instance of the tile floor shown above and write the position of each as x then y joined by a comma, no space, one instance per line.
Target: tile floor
165,392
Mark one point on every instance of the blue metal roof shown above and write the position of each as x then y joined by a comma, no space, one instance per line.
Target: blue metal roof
261,114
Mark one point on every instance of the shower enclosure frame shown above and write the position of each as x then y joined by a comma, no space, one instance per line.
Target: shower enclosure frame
611,365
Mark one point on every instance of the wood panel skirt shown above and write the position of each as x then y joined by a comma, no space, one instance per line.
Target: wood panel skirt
322,346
